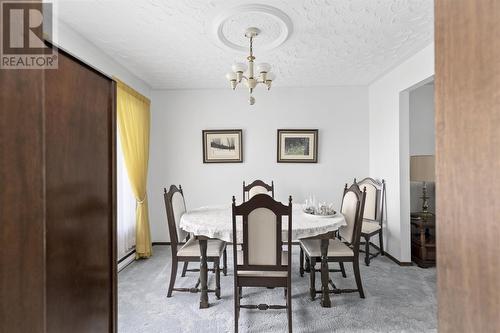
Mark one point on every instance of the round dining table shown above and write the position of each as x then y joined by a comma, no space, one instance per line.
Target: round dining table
215,222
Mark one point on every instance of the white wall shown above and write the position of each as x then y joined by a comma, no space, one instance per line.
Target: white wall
179,116
389,144
74,43
422,139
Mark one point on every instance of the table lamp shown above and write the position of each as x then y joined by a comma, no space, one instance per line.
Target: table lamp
422,170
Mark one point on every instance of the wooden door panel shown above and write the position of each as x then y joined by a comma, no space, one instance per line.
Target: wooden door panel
79,198
467,84
22,289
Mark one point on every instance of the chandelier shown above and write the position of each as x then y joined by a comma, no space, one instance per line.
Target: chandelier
264,76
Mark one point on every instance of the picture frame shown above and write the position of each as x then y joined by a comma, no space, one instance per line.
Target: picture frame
297,146
222,146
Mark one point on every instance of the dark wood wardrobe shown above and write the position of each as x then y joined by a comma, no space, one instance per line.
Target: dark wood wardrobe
57,199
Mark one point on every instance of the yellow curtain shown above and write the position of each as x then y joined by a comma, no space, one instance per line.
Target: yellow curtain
133,124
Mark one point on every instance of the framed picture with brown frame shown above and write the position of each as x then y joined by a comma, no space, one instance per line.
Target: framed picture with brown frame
222,146
297,146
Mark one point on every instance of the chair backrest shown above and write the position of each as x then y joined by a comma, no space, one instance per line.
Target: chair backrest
375,195
353,203
262,245
257,187
175,207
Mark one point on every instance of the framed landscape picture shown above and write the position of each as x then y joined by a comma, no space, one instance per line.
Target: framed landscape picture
222,146
297,146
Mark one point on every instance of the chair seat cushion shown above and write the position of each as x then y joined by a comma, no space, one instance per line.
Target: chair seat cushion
215,248
263,273
336,248
369,227
284,261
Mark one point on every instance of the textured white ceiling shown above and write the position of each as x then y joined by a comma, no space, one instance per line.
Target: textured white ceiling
170,45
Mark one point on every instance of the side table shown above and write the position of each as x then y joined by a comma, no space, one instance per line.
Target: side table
423,239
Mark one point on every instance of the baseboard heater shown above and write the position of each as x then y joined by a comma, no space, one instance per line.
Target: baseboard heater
126,260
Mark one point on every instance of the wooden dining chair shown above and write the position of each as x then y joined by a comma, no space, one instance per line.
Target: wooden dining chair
185,248
262,262
341,250
257,187
373,216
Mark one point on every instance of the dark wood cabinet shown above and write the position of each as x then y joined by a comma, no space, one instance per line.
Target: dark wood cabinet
57,199
423,239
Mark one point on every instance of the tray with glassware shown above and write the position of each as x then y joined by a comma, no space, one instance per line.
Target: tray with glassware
321,209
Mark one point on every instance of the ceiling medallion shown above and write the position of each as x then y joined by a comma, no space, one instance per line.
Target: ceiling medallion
264,75
227,26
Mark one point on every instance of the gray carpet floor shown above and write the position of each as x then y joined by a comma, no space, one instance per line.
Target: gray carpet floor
398,299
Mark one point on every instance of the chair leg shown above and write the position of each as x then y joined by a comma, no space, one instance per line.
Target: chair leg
285,292
308,265
236,307
357,276
240,292
367,250
184,268
342,269
173,274
301,260
381,242
312,277
217,278
289,307
224,259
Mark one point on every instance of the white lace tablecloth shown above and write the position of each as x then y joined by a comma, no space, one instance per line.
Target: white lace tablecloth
216,222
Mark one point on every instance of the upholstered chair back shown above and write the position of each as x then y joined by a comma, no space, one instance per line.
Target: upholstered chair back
257,190
352,209
370,202
375,192
349,209
261,239
257,187
262,246
176,207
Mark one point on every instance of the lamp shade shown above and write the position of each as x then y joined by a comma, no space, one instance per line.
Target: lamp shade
231,76
239,67
263,67
422,168
270,76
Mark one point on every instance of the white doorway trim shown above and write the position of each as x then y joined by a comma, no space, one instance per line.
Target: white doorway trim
404,165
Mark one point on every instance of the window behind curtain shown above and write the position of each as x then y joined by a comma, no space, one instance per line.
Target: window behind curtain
125,206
